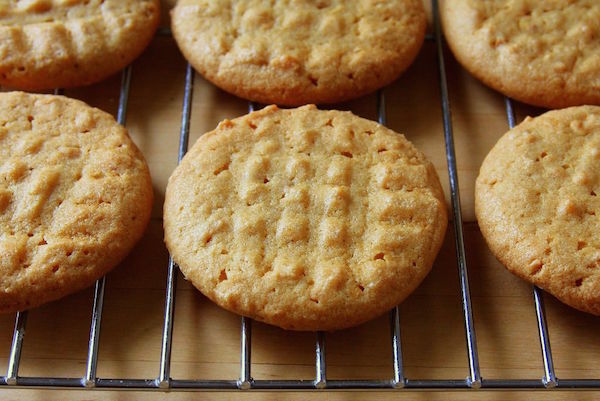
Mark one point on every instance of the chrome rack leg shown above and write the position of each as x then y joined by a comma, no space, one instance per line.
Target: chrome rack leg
381,108
15,349
124,95
510,112
164,376
549,380
398,380
186,113
92,359
245,381
474,379
320,363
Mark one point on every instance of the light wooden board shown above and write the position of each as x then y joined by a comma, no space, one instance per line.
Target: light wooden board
206,338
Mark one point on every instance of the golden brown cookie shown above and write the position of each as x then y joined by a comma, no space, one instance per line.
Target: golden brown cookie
537,203
298,52
545,53
65,43
75,196
305,219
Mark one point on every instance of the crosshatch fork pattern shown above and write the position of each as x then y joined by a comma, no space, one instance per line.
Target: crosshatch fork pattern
245,381
321,203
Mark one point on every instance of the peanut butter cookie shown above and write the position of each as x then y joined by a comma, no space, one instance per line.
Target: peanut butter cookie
298,52
536,200
65,43
75,196
545,53
304,219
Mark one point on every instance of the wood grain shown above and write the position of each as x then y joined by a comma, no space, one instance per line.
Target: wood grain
206,338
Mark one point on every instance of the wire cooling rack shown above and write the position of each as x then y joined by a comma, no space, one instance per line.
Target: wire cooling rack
245,381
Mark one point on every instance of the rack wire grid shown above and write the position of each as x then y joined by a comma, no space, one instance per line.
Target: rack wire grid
397,379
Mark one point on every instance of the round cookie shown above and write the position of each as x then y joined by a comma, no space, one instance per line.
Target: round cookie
545,53
304,219
48,44
537,203
75,196
299,52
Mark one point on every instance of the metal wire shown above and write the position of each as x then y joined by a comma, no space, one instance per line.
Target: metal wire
19,333
320,362
124,95
15,349
549,380
381,108
92,359
398,379
245,381
474,378
164,375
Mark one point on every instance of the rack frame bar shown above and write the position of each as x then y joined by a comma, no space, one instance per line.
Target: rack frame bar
411,385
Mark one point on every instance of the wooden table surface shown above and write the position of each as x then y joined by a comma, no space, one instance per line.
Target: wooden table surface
206,338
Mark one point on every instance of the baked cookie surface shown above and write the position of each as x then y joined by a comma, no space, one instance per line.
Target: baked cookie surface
545,53
537,203
48,44
298,52
75,196
304,219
